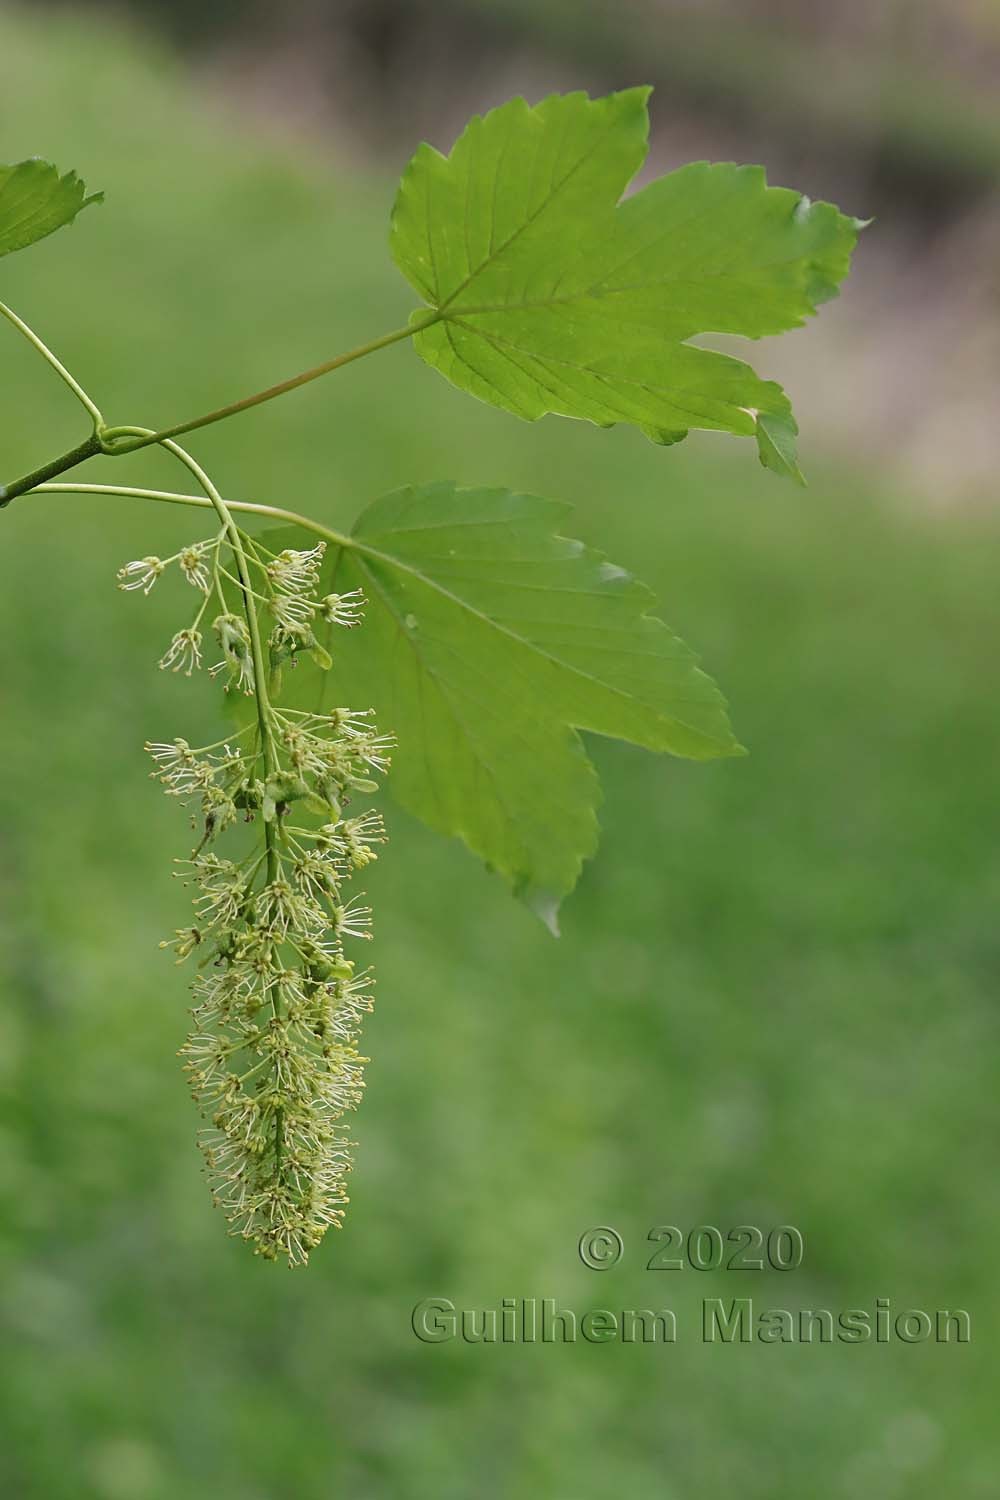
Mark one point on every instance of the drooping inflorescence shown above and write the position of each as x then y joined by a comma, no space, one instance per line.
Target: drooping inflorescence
273,1059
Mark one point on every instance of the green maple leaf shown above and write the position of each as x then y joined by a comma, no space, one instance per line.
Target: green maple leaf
489,641
36,201
554,295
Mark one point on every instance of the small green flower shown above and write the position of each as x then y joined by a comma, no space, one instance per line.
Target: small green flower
294,572
234,638
192,565
140,575
343,609
184,941
184,652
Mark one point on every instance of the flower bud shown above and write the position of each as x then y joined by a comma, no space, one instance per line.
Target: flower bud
234,638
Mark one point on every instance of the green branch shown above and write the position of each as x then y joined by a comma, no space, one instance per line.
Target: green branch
89,448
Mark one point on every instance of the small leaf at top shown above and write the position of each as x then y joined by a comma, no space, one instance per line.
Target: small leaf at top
489,641
555,295
36,201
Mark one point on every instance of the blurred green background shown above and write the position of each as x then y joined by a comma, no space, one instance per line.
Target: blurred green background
776,996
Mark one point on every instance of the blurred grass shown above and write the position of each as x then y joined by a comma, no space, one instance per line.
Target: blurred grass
775,1000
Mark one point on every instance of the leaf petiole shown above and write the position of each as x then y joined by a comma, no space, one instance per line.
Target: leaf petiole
116,440
168,497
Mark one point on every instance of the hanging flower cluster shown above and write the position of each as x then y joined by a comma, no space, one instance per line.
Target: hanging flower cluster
273,1059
